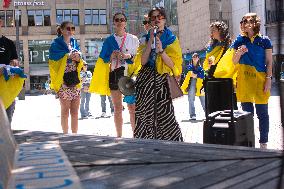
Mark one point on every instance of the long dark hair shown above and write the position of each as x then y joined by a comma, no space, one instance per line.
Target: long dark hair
61,27
161,10
224,34
198,62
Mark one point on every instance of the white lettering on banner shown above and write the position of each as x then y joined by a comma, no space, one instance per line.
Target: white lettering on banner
28,3
43,165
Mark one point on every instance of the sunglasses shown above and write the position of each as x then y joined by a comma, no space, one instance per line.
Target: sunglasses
245,21
70,28
119,20
145,22
159,16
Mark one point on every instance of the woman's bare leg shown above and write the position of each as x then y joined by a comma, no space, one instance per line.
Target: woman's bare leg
131,109
117,103
65,107
74,114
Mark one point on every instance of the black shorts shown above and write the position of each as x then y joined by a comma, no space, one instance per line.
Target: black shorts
114,77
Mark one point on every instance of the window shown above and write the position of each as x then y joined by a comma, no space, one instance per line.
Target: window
39,18
67,15
95,17
31,18
75,17
88,17
2,16
103,17
59,16
38,51
9,18
46,17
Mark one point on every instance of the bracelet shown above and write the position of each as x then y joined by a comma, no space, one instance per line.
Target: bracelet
268,77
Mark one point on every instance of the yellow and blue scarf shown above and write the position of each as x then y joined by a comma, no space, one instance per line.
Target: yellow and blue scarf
171,46
58,54
11,83
100,81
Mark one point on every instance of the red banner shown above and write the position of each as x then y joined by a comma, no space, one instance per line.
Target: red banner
6,3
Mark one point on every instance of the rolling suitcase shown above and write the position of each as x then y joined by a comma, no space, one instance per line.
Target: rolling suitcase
223,124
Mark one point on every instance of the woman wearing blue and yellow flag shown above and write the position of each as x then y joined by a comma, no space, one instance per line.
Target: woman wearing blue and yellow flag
253,54
168,61
218,62
116,60
192,84
65,64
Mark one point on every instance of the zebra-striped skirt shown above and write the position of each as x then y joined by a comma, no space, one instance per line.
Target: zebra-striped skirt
167,126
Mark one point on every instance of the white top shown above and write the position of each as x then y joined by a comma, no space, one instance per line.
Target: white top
130,46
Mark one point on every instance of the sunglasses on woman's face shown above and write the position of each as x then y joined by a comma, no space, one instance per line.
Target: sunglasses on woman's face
119,20
70,28
245,21
159,16
145,22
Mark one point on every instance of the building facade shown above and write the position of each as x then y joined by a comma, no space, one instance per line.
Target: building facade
38,21
194,18
274,14
241,7
134,11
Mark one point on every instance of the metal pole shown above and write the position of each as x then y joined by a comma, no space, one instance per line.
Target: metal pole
110,15
220,10
17,30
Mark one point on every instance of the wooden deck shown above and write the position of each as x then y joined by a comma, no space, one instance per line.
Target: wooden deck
111,163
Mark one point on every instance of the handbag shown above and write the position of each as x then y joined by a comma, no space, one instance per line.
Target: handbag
71,79
174,87
114,77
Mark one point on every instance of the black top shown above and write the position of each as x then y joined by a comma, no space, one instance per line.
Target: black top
8,50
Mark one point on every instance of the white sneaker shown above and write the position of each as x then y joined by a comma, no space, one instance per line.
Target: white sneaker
263,146
103,114
192,118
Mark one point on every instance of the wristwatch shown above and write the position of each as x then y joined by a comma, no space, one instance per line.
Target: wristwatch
269,77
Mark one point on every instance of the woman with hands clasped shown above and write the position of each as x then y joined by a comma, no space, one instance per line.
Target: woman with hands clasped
167,58
115,61
65,64
253,54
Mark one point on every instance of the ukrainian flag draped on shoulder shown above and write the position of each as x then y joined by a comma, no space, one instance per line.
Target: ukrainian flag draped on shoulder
171,46
223,58
252,69
58,54
10,86
100,81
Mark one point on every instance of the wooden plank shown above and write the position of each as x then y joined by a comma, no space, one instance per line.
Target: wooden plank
107,151
248,173
218,175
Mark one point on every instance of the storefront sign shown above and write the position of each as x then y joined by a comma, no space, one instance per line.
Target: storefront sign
28,3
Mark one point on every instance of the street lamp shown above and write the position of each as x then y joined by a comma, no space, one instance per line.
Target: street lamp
17,18
21,96
220,10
